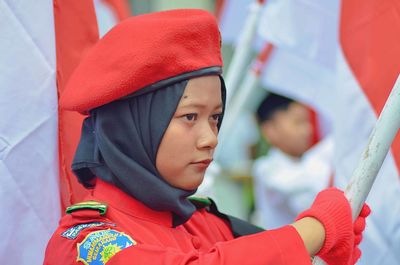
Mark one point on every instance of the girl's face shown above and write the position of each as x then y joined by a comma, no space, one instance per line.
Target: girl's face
188,144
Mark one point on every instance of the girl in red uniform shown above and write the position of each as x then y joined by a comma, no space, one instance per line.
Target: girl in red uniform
155,97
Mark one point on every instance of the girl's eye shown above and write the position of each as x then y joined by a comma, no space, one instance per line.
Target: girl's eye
191,117
216,117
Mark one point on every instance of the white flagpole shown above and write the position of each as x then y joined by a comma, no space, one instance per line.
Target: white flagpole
243,49
374,154
247,88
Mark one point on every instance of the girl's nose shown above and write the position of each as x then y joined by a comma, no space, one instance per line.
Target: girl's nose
208,138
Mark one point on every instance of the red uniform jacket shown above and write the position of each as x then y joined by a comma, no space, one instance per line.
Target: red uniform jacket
131,233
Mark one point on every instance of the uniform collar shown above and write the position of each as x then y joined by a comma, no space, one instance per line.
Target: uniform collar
275,152
120,200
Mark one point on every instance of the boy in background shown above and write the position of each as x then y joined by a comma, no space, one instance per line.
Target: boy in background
291,174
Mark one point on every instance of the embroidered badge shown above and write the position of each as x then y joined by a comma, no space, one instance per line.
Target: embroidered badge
99,246
73,232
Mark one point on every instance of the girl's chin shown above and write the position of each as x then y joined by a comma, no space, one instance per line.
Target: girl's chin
192,185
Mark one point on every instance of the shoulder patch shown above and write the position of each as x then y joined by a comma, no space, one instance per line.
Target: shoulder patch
91,205
99,246
200,202
72,233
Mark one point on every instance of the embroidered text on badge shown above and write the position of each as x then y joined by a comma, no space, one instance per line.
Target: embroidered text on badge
72,233
99,246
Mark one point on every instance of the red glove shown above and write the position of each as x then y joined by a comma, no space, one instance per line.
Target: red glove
342,237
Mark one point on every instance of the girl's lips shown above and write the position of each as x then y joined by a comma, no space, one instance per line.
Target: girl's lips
203,164
205,161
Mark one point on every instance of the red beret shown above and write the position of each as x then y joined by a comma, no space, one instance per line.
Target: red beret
141,51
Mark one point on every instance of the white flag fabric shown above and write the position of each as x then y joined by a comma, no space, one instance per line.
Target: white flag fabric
106,18
29,194
303,65
232,19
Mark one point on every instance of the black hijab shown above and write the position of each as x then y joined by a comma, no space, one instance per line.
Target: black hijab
119,144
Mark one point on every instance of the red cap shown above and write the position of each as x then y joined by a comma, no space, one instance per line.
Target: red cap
142,51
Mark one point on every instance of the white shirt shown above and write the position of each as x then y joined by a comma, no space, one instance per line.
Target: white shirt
284,186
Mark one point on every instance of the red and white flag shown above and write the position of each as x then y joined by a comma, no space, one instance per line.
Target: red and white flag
348,80
41,45
368,65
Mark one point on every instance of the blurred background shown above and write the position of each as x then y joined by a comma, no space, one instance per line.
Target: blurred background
306,81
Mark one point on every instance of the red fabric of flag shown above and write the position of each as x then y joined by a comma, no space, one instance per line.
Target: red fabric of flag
370,38
76,31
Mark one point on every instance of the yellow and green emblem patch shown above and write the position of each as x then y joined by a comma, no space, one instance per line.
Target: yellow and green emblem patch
99,246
